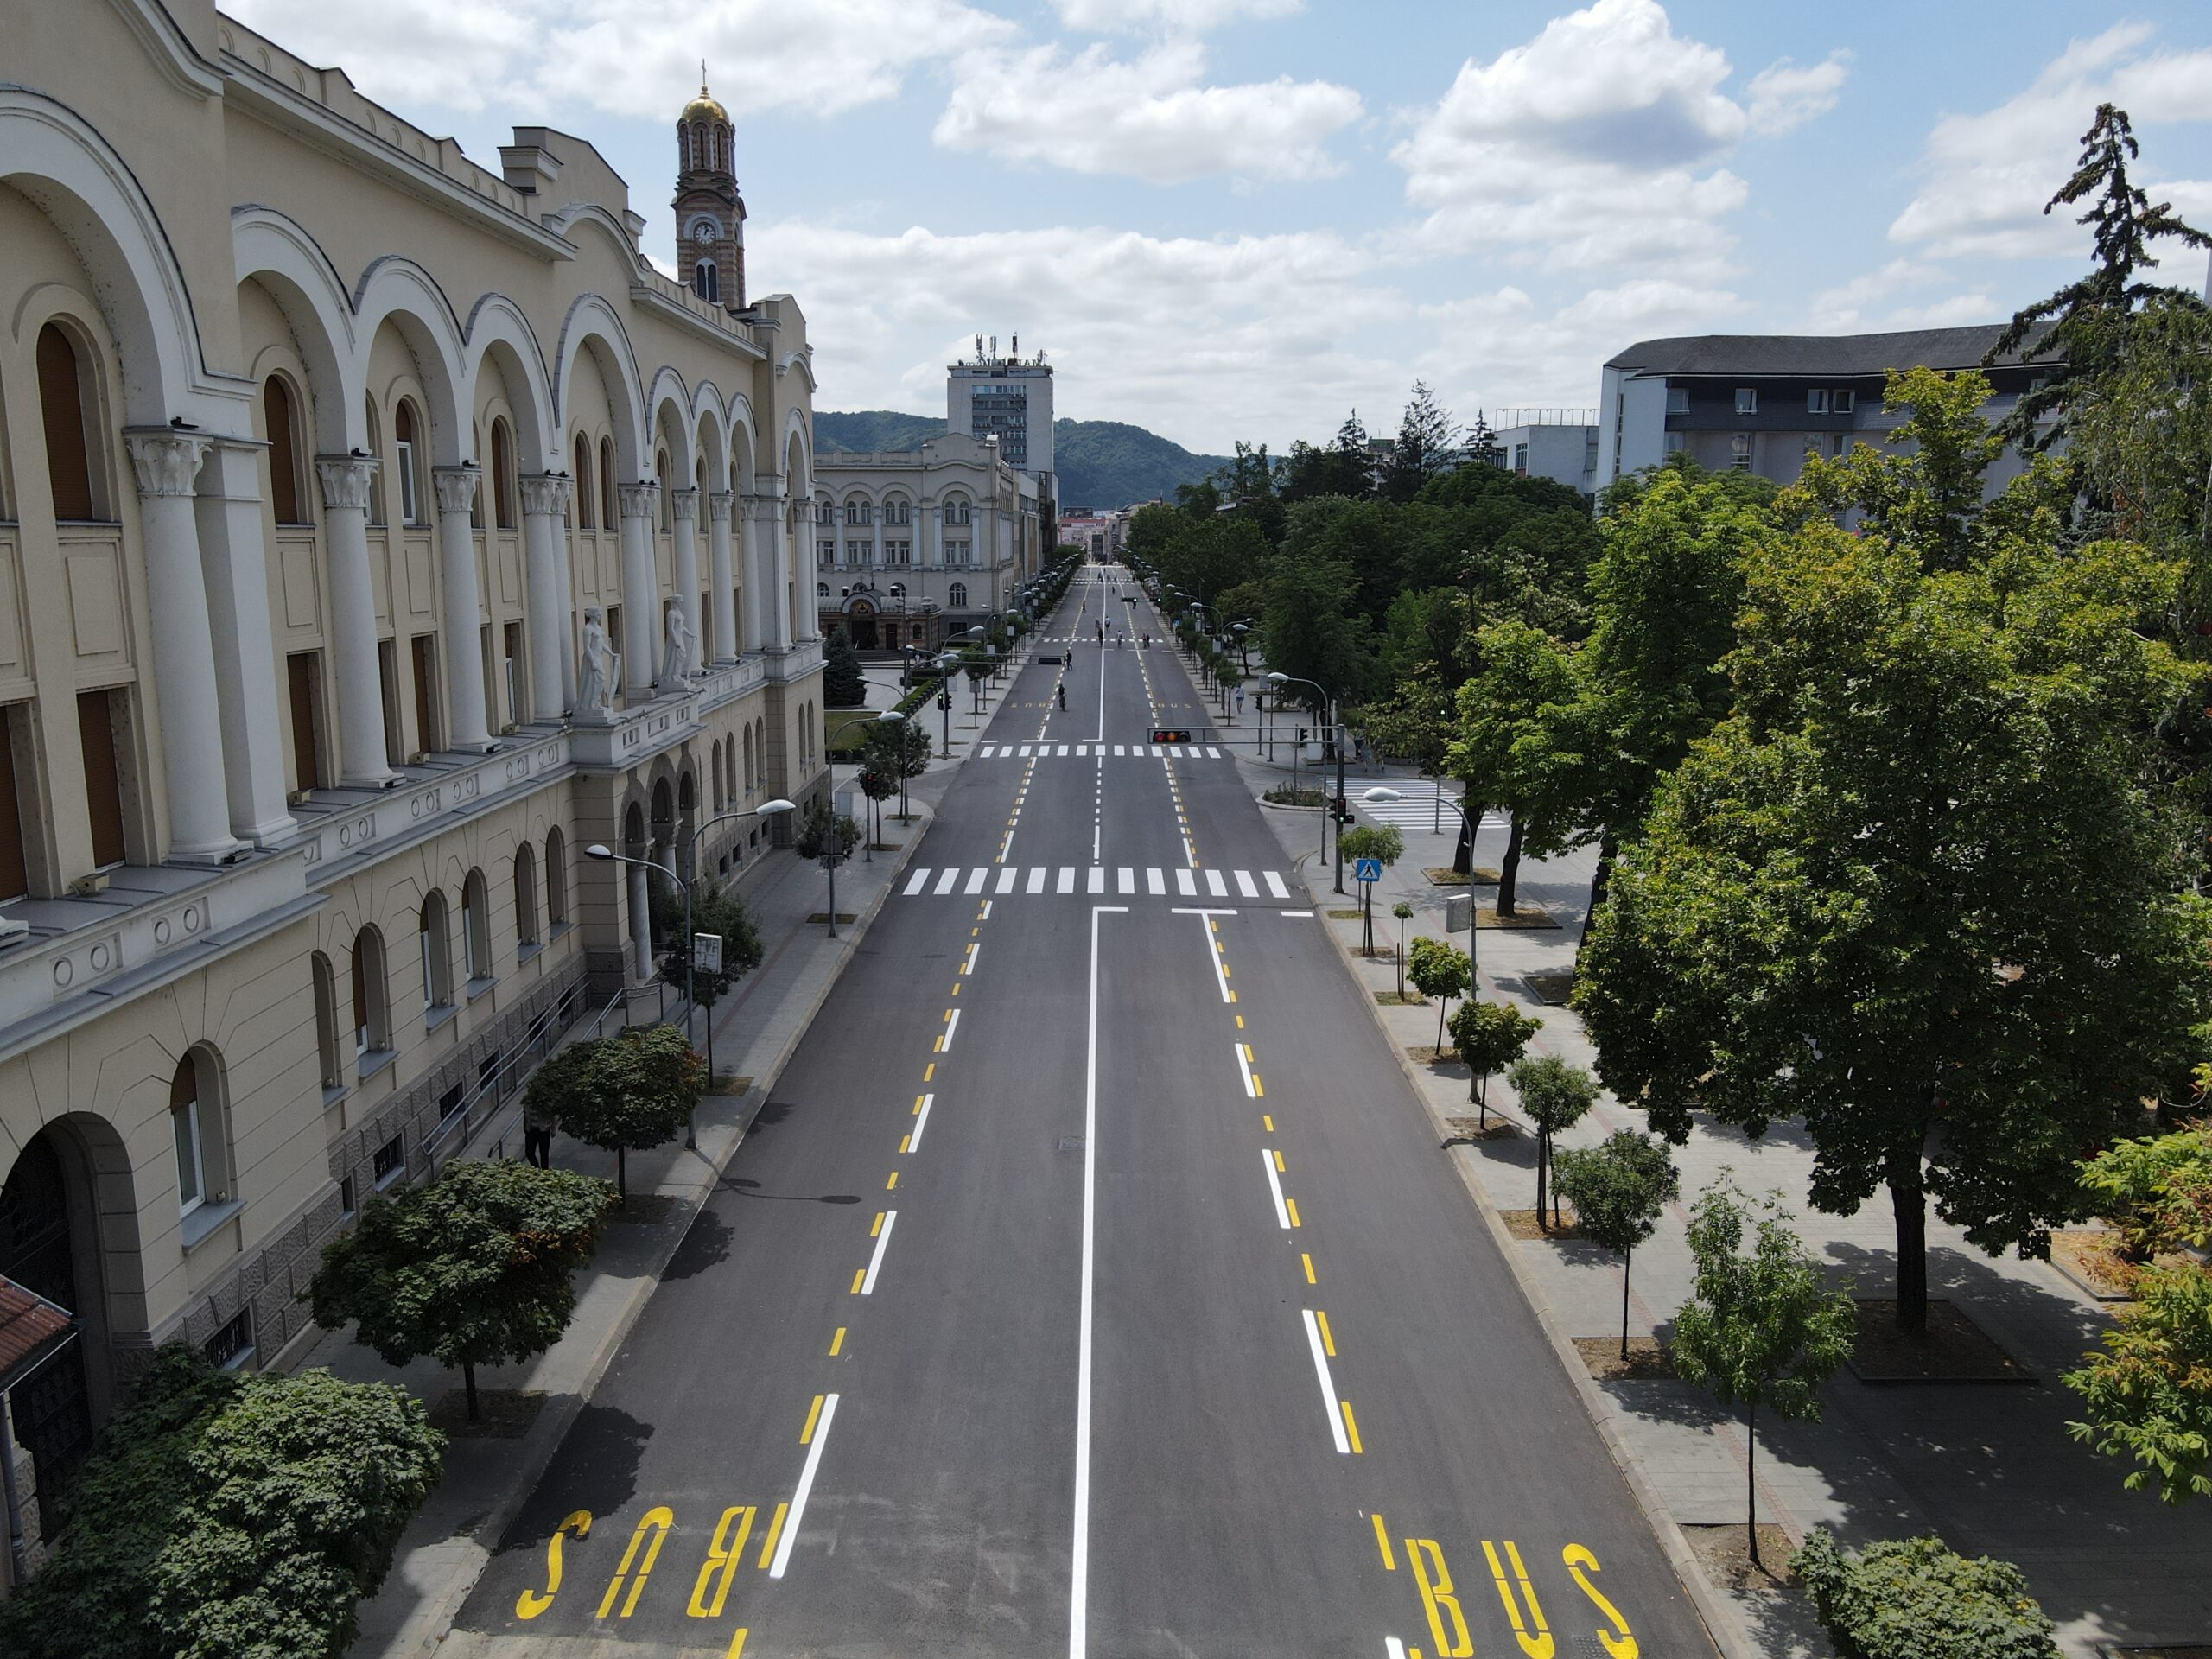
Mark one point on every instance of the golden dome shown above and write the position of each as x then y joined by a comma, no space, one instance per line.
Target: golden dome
703,106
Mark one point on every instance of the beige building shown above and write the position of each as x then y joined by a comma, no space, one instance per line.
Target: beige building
376,532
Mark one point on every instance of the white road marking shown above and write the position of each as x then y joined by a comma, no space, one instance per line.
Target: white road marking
1066,883
1212,754
1245,885
1037,874
1064,748
1117,749
945,883
945,1043
1097,880
805,1484
921,1120
1185,883
1220,978
915,885
1025,748
1079,1577
973,946
1155,883
976,880
986,910
1126,879
876,1261
1275,1189
1328,1388
1007,877
1275,885
1393,1649
1244,1067
1215,886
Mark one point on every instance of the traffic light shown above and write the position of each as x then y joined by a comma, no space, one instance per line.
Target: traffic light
1171,734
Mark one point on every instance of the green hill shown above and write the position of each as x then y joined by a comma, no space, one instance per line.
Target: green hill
1102,463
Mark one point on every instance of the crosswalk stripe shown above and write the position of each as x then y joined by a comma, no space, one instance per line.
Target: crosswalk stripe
1006,879
1026,748
1215,886
1155,883
1117,749
1037,874
1212,754
1185,884
1064,748
1096,882
1126,879
1275,885
915,885
976,881
1066,883
1245,885
945,883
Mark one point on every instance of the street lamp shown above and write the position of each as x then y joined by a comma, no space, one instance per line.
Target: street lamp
1279,677
601,850
1381,795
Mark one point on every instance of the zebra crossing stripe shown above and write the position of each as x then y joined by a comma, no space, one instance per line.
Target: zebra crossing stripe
1185,884
1275,885
976,881
1212,754
1126,879
1245,885
1155,883
1097,879
1006,877
1066,883
1215,888
945,883
1063,749
915,885
1036,880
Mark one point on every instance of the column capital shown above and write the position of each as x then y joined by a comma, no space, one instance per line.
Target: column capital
166,460
546,494
718,505
637,501
345,480
686,506
456,487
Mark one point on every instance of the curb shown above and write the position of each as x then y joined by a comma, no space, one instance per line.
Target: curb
1722,1625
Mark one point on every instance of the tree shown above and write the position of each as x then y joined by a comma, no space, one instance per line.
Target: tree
1414,720
2087,318
1506,749
1555,1094
1403,911
471,1267
1427,444
1916,1599
820,833
877,786
716,909
842,686
1489,1037
2148,1396
2157,1190
1824,920
1309,630
1619,1188
897,748
224,1516
1439,971
1758,1329
1384,843
639,1089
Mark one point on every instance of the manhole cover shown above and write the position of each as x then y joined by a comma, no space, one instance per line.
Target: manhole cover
1071,1143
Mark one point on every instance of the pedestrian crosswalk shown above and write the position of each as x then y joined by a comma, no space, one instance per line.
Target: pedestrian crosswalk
1121,881
1416,808
1099,751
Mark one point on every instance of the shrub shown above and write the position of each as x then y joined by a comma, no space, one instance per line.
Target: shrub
1914,1598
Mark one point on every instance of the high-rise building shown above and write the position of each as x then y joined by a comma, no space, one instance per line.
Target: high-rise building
1010,398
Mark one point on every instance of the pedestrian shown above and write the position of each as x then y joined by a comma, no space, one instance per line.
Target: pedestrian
1240,702
538,1124
1063,696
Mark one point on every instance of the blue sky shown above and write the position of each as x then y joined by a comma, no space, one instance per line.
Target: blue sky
1230,218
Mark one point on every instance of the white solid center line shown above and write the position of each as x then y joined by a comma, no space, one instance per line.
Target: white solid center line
921,1122
1079,1577
875,1261
1220,976
805,1486
1328,1388
1243,1064
951,1025
972,950
1274,1187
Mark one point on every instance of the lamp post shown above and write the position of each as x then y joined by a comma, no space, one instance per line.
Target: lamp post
1381,794
601,850
1279,677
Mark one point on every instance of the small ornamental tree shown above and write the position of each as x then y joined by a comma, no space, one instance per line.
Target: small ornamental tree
1489,1037
639,1089
2148,1396
820,833
1758,1329
715,909
1619,1188
1439,971
1368,841
472,1268
883,750
842,686
1554,1095
1916,1599
1404,912
878,785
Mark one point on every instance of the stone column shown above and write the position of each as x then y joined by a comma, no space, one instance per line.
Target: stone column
545,594
640,591
780,580
346,481
234,560
570,620
685,504
725,598
184,700
464,631
758,526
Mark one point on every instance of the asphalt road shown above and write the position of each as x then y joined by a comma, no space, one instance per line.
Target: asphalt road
1092,1284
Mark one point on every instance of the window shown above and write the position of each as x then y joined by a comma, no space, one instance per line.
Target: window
476,928
1838,444
325,1021
1816,401
284,452
525,894
97,713
706,280
1521,457
1678,400
403,465
503,476
231,1345
856,512
1747,400
957,552
395,740
1843,400
1739,452
375,431
556,877
826,553
349,1199
15,868
897,512
389,1162
956,511
821,589
899,552
437,961
667,496
426,692
68,441
716,771
749,761
584,482
514,661
371,1028
607,483
825,512
303,681
956,595
193,1124
856,552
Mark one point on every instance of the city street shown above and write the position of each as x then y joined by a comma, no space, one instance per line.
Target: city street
1090,1284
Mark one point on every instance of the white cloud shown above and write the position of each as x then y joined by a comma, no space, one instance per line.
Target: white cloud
1986,176
1173,16
1869,302
1584,145
1786,95
1149,118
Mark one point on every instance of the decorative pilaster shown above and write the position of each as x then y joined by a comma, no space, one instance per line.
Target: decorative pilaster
346,481
184,703
724,579
544,500
640,588
234,562
685,511
456,487
759,524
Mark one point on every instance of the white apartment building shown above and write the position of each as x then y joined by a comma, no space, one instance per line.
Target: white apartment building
1008,397
1560,444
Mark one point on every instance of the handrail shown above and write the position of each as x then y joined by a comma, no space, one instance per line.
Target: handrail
543,1039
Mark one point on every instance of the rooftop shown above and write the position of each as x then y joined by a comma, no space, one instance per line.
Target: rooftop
1815,354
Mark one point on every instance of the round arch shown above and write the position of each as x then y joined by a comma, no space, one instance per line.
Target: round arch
400,292
499,331
592,324
278,254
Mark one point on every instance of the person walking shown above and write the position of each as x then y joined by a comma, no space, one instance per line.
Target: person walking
1063,696
1240,702
537,1126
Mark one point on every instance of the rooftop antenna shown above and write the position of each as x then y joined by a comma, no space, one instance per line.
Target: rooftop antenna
1015,350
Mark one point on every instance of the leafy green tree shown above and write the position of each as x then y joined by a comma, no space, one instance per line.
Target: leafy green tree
1404,912
1310,630
842,686
2157,1189
640,1088
472,1268
1427,444
819,832
1555,1094
2148,1395
1915,1598
1824,920
223,1515
1489,1037
1439,971
883,749
715,908
877,786
1369,841
1506,748
1758,1329
1619,1188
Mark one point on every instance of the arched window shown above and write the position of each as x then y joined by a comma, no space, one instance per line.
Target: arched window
825,510
706,280
405,464
371,1025
715,770
607,483
556,877
748,763
895,510
69,448
285,492
955,510
196,1127
327,1055
857,511
503,476
822,590
476,927
584,520
956,597
475,496
437,955
526,894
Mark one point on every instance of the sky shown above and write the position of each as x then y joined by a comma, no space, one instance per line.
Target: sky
1245,219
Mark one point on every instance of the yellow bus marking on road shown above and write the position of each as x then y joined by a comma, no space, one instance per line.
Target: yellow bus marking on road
1328,1342
813,1416
724,1557
1382,1543
736,1644
529,1604
1539,1645
837,1341
1308,1260
775,1531
657,1521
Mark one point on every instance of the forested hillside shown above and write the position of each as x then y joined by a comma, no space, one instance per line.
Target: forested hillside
1101,463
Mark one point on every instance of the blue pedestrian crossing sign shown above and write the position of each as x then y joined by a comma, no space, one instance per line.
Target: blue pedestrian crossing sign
1367,869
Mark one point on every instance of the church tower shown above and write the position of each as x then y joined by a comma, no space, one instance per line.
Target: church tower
709,214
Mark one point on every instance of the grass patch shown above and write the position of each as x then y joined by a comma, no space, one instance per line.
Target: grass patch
1280,795
1523,916
1521,1223
1727,1561
1647,1361
1343,915
1406,1000
1480,1128
1443,876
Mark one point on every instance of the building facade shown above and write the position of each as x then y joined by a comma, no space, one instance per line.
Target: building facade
377,532
1098,534
913,546
1762,403
1010,398
1560,444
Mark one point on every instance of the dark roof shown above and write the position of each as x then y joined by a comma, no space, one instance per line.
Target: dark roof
27,1324
1815,354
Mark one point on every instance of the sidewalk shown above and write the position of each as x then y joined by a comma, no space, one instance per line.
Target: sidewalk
1988,1466
757,1029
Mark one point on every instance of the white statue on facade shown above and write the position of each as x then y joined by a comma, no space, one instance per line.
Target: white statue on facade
676,662
602,669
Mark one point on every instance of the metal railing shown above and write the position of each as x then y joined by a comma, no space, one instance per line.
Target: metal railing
471,1113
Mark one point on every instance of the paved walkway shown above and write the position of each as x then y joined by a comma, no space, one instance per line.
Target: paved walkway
1987,1467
